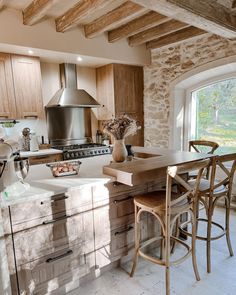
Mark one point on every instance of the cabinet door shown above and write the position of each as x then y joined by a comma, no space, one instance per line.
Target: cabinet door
7,98
27,84
105,92
55,273
128,89
43,159
54,235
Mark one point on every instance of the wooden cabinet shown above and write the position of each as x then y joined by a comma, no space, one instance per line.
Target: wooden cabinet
20,87
61,241
119,91
27,84
43,159
53,242
7,96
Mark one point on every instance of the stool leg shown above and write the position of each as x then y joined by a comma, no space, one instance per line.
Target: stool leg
209,225
194,230
137,241
227,216
176,234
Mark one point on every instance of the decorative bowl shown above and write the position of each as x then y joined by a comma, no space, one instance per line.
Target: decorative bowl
64,168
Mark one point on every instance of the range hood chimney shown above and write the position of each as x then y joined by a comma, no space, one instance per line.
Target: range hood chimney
69,95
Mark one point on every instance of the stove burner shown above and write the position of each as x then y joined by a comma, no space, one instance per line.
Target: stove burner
77,151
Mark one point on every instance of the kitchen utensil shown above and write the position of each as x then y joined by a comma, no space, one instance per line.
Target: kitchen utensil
21,167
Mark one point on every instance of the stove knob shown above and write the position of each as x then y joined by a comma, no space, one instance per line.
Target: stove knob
76,155
72,155
95,152
99,151
67,156
91,153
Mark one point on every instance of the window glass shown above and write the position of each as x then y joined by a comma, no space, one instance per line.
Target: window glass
214,114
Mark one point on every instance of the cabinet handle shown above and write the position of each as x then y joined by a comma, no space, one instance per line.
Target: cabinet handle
59,198
30,115
122,200
124,230
55,220
69,252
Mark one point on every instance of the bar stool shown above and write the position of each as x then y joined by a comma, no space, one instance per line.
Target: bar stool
210,191
166,207
202,146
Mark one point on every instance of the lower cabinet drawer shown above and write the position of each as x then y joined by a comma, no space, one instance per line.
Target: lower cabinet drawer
36,212
55,235
35,160
59,269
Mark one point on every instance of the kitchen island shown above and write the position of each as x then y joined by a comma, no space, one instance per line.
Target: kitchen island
66,230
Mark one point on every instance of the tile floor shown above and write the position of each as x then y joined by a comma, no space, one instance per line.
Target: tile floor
149,278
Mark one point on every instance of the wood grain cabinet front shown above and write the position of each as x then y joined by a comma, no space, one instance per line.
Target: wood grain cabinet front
20,87
38,212
7,95
119,91
44,159
57,273
54,235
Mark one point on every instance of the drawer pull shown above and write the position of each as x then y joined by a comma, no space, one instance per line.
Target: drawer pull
59,198
54,220
124,230
69,252
122,200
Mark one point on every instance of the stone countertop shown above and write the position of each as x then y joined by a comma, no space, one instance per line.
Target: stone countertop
43,184
40,153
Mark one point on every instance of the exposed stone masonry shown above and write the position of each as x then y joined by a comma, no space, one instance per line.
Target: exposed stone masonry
167,65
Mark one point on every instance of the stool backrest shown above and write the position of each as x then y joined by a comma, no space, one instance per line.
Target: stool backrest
203,146
226,164
177,172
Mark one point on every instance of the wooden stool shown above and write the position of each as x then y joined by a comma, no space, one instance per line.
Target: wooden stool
210,191
167,207
202,146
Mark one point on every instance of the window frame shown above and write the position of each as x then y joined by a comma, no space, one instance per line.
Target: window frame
187,132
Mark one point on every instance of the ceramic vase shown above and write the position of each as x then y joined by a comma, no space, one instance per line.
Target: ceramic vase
119,153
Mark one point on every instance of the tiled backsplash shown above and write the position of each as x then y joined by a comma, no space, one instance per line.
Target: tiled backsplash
38,126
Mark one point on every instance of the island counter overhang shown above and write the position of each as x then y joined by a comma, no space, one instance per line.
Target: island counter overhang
149,164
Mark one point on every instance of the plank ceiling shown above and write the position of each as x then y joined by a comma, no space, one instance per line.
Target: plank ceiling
156,23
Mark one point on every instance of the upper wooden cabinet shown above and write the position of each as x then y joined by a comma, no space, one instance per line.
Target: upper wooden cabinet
20,87
119,91
7,96
28,88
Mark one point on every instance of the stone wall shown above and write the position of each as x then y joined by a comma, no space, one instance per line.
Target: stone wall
167,65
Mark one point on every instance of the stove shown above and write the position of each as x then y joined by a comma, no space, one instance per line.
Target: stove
77,151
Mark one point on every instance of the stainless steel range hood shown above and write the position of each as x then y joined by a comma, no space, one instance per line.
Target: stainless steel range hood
69,95
68,113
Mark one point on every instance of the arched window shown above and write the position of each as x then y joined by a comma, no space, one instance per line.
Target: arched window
213,114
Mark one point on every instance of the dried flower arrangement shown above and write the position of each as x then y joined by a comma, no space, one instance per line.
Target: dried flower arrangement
121,127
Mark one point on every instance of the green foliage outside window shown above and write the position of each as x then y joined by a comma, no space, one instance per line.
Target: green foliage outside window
216,114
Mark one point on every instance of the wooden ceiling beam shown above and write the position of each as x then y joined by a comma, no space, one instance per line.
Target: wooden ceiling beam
156,32
137,25
234,5
2,3
79,11
205,14
118,16
35,11
175,37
